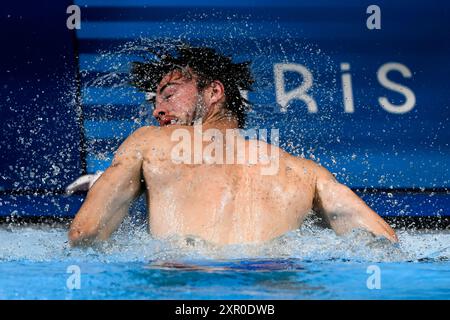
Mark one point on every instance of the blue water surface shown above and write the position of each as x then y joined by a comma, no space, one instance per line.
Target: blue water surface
35,263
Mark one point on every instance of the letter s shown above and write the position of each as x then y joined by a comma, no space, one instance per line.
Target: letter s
385,82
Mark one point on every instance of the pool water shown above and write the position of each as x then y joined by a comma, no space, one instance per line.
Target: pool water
311,263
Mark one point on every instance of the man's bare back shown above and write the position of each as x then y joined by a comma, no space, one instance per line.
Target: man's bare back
227,203
223,203
255,197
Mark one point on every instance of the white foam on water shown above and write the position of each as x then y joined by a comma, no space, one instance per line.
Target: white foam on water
310,243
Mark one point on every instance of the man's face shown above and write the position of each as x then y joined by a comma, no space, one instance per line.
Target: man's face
178,100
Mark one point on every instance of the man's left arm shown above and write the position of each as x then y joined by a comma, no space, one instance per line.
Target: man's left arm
107,202
343,209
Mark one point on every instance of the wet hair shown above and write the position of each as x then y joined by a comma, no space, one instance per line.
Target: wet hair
207,64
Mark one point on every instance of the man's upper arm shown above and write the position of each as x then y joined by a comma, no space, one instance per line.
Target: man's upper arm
108,200
125,171
343,209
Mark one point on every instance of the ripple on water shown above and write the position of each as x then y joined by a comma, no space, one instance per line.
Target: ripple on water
310,243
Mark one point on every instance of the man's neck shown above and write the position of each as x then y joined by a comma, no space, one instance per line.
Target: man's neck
221,120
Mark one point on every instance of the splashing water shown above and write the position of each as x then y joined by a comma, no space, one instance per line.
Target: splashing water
133,243
310,263
240,38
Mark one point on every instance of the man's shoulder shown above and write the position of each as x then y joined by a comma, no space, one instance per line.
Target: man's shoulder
303,166
154,137
140,138
142,132
313,169
149,131
300,164
147,134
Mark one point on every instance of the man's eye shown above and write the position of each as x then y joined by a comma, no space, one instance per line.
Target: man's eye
151,102
168,97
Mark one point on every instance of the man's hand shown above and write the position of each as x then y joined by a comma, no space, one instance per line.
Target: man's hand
107,202
83,183
344,210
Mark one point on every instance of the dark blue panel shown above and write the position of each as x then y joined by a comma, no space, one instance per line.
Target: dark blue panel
388,204
41,137
371,147
45,205
408,204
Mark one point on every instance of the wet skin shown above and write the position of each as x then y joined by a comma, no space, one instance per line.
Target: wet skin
220,203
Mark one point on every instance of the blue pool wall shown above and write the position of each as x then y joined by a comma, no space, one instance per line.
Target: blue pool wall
58,124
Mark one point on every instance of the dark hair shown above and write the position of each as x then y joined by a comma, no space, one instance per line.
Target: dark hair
207,64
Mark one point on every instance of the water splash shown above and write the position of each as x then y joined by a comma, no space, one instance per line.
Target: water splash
240,38
133,243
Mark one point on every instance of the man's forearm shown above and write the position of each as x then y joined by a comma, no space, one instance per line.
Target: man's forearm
104,208
85,234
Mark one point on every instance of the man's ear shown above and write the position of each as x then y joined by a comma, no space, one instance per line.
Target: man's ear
215,92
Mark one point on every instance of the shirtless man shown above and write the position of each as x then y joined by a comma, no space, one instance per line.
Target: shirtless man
223,203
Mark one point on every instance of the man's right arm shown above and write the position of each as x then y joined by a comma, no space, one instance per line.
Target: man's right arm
107,202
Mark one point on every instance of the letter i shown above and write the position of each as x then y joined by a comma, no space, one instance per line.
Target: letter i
347,88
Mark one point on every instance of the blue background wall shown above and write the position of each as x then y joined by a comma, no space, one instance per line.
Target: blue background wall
398,162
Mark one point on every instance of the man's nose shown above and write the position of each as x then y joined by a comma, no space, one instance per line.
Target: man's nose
159,112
